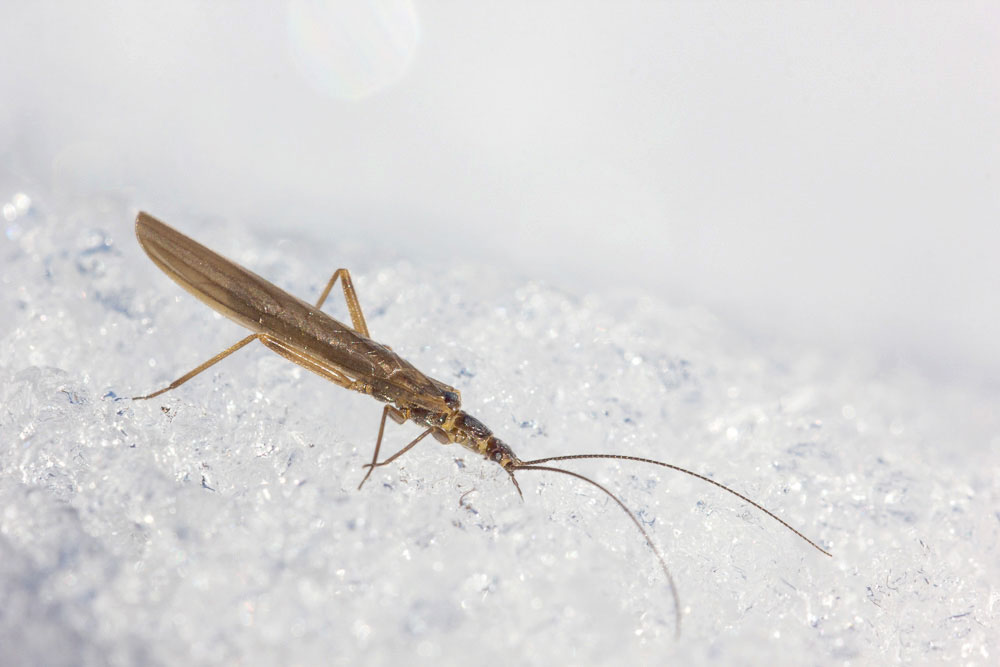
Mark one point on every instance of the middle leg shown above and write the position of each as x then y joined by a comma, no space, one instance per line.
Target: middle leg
350,296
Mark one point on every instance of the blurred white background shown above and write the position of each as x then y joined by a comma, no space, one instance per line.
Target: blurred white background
821,174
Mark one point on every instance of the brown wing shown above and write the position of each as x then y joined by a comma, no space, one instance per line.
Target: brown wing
260,306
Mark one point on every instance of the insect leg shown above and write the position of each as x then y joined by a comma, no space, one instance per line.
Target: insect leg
389,411
350,296
378,446
187,376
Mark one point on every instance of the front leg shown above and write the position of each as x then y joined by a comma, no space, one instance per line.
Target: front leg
399,418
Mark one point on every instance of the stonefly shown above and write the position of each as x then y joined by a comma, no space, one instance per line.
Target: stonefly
347,356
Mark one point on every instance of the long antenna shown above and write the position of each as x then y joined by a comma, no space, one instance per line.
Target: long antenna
526,465
529,465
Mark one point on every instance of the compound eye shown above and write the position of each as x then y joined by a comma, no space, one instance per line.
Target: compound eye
498,456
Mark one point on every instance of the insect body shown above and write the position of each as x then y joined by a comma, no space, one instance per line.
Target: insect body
347,356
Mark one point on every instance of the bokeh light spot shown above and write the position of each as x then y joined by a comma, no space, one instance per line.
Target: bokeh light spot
350,50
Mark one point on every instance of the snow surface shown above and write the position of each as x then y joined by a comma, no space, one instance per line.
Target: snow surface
220,523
